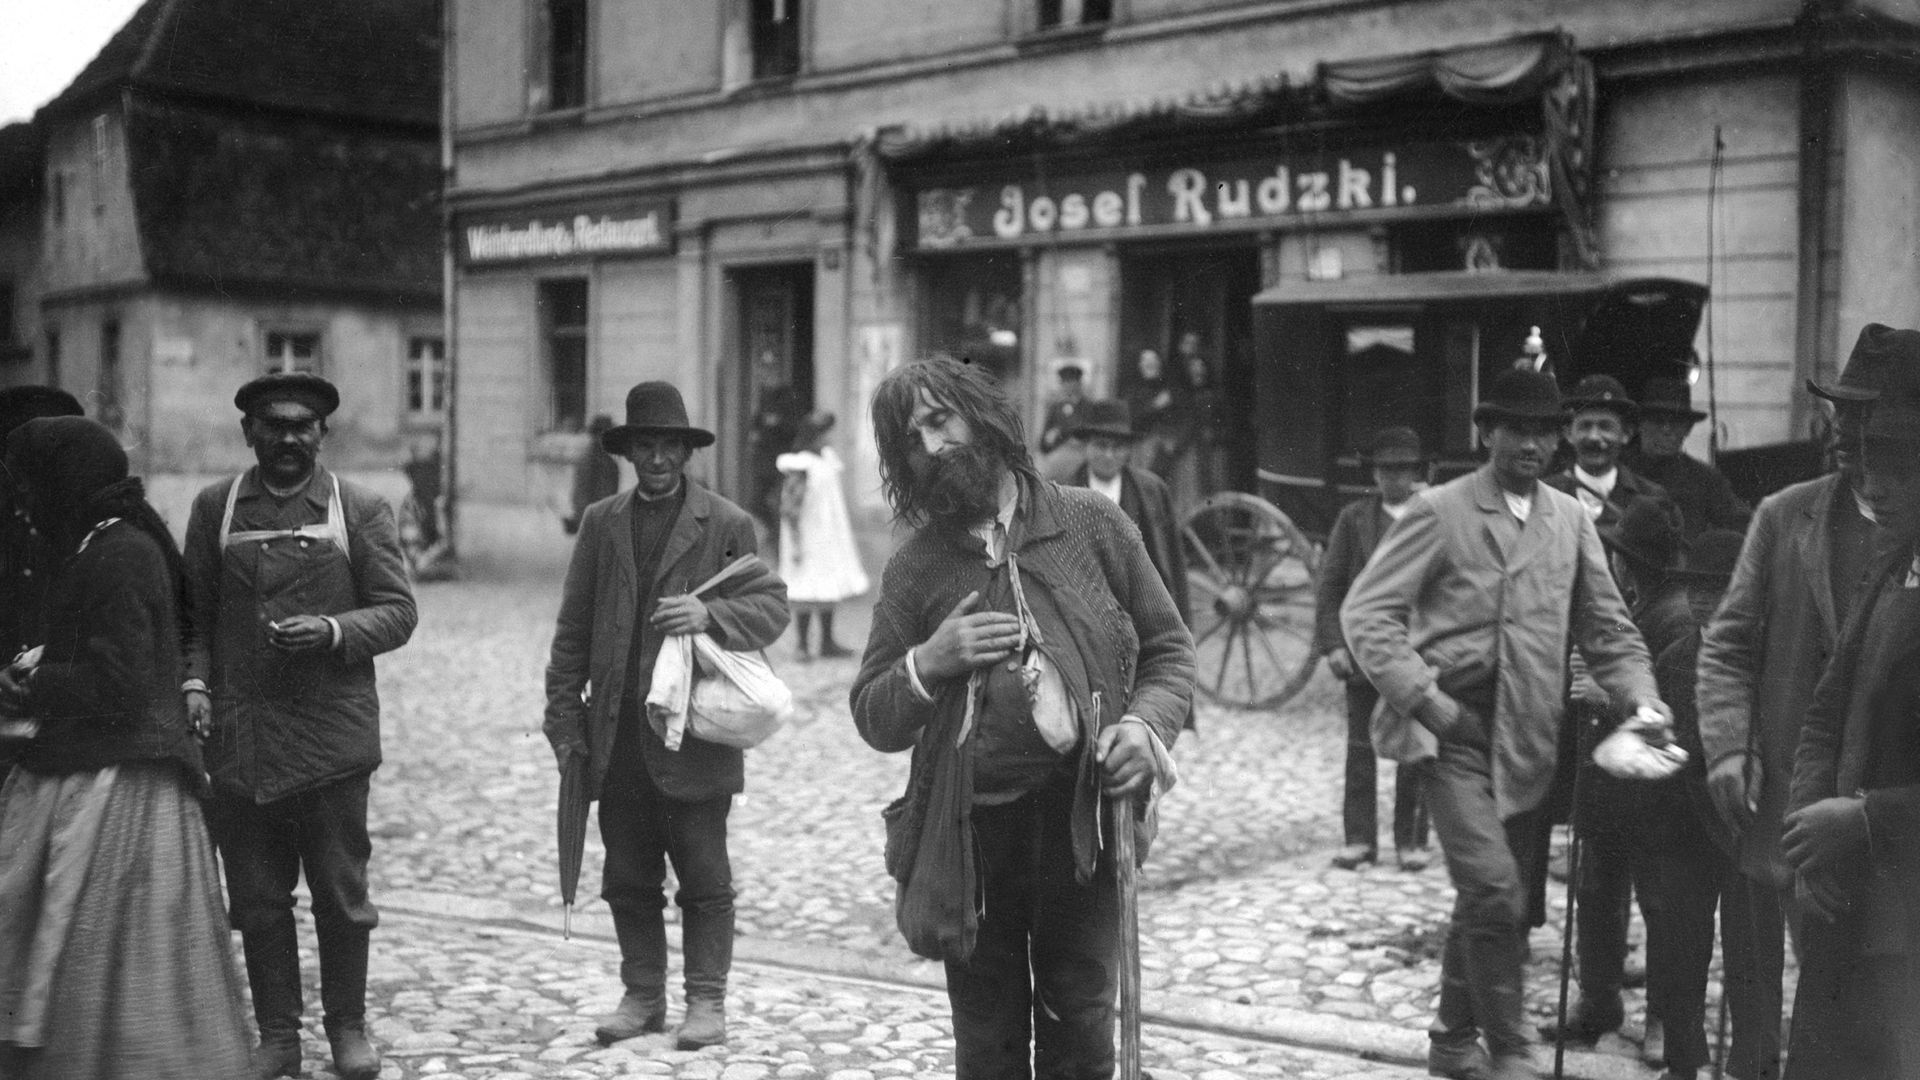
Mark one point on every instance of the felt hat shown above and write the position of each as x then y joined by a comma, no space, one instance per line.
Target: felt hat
1711,558
1520,394
654,408
1107,416
1391,446
1662,396
1874,351
301,387
1602,392
1069,372
19,404
1648,532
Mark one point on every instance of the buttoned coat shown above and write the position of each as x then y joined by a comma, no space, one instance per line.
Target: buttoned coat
1627,486
1356,532
608,598
1149,502
1765,650
1460,588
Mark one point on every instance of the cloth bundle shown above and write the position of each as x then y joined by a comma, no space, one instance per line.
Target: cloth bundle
717,695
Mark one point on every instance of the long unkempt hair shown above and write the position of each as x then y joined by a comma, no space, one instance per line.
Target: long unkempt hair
965,388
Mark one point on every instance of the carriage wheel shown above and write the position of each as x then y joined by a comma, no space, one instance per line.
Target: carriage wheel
1250,584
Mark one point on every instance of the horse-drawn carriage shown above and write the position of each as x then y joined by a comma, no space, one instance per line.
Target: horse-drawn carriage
1335,360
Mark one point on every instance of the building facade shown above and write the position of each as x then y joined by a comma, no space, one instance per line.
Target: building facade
1351,211
231,188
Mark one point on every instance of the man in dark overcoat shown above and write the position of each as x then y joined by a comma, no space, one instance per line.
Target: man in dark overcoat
1399,466
1705,498
295,582
639,554
1601,421
1105,430
1760,659
1852,831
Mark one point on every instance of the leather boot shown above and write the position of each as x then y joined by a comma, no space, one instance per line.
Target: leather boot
1495,957
706,1024
272,948
706,940
354,1058
343,995
278,1053
637,1014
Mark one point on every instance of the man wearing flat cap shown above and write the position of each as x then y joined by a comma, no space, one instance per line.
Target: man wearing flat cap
1462,620
1852,835
638,555
1760,659
1399,466
1705,499
295,582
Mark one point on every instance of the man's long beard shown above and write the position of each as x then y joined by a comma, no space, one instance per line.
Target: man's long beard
959,487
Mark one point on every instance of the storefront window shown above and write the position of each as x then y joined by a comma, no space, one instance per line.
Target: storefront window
972,308
563,333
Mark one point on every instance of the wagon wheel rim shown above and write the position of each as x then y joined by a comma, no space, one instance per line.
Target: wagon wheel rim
1250,578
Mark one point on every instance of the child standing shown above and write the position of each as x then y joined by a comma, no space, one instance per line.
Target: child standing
819,557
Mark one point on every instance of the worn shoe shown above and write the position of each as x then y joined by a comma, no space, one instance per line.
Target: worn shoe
1584,1026
1513,1067
1353,856
1412,860
1457,1059
637,1014
277,1055
1653,1048
354,1058
705,1025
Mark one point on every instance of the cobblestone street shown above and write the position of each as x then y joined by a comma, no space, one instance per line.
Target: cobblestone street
1245,928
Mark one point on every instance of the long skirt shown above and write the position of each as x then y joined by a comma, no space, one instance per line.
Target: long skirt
115,957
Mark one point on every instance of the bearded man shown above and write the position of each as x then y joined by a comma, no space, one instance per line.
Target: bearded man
1028,653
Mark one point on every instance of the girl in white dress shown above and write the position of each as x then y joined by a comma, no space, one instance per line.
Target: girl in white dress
819,557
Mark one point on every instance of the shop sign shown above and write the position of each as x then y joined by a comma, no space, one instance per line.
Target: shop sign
1490,174
633,228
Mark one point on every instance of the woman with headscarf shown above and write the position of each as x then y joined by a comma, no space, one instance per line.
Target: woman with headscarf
115,958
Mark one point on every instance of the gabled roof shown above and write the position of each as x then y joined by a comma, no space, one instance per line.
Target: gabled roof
231,201
375,60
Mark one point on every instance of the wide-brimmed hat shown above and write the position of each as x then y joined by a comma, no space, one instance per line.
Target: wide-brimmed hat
1648,532
1894,413
1519,394
1711,558
1662,396
1602,392
1392,446
1876,349
19,404
654,408
301,387
1106,416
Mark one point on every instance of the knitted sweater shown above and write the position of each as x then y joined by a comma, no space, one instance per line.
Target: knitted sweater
1116,632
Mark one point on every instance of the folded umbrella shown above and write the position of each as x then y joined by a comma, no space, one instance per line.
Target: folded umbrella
575,804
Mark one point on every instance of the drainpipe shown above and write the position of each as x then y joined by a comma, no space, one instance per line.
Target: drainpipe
449,295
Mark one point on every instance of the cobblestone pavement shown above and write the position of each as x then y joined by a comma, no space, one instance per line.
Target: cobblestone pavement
1244,924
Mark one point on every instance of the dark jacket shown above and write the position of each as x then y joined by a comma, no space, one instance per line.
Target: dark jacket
1356,532
1149,502
1629,486
108,686
289,722
1117,633
1764,652
607,599
1705,498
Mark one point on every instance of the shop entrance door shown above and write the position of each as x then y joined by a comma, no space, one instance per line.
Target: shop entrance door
774,369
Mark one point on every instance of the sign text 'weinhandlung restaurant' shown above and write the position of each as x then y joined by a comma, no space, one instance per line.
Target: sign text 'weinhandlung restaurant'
632,229
1491,174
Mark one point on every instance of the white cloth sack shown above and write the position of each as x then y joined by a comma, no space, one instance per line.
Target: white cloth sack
733,698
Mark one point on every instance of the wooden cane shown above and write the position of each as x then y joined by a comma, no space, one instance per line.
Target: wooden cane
1121,808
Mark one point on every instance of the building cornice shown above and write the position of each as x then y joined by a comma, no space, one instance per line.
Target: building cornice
730,166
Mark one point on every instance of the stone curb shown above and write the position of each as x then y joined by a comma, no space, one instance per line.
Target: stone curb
1363,1039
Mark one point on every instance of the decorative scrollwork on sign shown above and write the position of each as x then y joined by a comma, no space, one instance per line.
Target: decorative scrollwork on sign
943,216
1509,173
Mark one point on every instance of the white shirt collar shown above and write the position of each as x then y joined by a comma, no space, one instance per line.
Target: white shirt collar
1602,484
1109,488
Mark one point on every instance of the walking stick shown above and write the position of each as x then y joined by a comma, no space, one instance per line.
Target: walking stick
1123,875
1573,889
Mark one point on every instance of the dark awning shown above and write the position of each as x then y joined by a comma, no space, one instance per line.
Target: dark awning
1416,288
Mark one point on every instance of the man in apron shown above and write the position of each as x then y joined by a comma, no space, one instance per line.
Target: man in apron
295,582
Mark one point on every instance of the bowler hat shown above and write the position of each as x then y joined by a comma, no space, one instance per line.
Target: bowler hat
1106,416
302,387
1663,396
1648,532
19,404
654,408
1391,446
1069,372
1874,351
1602,392
1519,394
1711,558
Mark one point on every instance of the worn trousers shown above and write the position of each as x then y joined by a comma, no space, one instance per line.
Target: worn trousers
1488,861
1359,810
264,848
642,830
1854,1013
1036,997
1753,948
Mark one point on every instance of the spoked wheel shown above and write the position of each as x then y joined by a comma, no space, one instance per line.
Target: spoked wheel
1250,577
